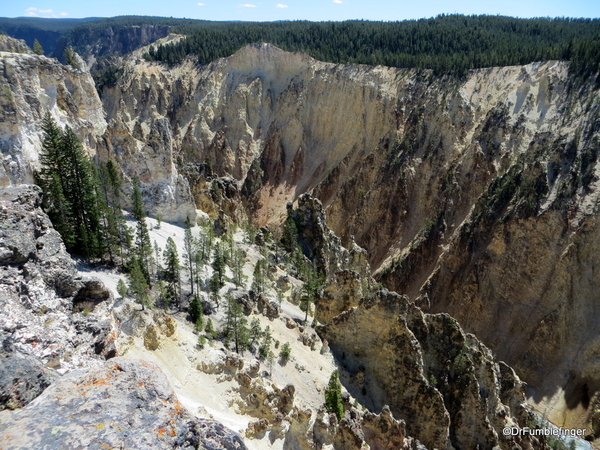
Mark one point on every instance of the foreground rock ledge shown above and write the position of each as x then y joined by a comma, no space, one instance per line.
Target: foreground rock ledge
124,404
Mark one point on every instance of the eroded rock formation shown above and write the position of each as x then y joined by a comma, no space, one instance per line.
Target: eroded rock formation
38,286
442,382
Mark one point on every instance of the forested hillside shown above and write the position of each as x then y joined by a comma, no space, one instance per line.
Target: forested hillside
446,43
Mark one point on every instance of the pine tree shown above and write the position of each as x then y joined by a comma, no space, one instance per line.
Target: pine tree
138,285
70,182
171,272
285,352
50,179
236,325
260,281
313,282
198,265
289,237
188,256
209,329
237,268
196,310
143,247
70,57
255,331
333,396
37,47
218,265
81,186
115,228
265,344
121,288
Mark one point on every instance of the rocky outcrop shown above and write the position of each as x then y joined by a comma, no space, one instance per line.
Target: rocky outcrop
320,244
38,285
22,378
10,45
339,295
214,194
346,272
147,153
125,403
263,400
383,432
442,382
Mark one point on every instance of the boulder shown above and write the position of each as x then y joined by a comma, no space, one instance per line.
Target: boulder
22,379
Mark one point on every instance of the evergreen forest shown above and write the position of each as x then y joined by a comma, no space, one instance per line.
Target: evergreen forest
445,44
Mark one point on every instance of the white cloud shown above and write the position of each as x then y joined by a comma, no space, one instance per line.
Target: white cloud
64,14
247,5
201,4
339,2
281,5
35,12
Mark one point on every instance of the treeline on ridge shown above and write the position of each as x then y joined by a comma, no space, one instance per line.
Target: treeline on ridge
447,43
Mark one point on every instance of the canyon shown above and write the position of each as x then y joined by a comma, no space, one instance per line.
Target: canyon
475,197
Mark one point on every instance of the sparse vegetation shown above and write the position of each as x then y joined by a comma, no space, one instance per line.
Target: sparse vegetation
333,396
285,352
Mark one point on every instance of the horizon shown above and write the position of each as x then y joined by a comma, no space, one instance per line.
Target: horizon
93,18
293,10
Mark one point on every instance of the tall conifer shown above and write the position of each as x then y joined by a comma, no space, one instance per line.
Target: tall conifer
143,246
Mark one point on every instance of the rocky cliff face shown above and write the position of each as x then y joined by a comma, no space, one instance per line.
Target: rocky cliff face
54,323
30,85
116,40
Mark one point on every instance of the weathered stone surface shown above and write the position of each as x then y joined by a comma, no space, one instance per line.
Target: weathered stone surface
151,340
91,294
442,382
383,432
262,399
215,436
22,378
222,362
344,434
268,308
340,294
317,240
125,403
38,280
300,432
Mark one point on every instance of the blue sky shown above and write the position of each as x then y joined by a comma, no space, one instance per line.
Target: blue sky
268,10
